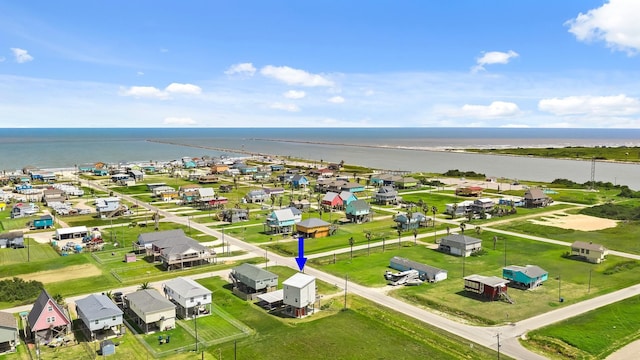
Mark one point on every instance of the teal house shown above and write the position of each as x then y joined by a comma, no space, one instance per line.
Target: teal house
526,277
358,211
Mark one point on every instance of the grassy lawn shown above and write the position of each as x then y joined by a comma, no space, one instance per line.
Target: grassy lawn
592,335
623,237
33,253
620,153
365,331
448,295
341,238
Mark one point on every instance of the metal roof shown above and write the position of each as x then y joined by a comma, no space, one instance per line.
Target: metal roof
187,287
253,272
150,300
98,307
299,280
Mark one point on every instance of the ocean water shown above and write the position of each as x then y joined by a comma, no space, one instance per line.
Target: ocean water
411,149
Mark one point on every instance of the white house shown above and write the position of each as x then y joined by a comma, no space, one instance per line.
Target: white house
105,205
190,297
299,293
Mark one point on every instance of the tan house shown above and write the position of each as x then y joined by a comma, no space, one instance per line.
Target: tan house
219,168
150,310
593,253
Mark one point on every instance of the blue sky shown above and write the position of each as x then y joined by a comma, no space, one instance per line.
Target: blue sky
492,63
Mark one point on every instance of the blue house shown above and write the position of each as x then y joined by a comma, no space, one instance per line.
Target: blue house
347,197
282,221
44,222
299,181
527,277
277,167
410,222
358,211
100,172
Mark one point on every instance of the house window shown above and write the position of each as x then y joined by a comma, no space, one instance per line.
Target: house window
50,308
113,318
97,322
191,300
587,251
204,297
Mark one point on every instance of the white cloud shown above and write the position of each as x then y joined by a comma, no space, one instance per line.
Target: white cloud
163,50
294,94
155,93
497,109
616,23
618,105
140,73
189,89
336,100
292,76
242,68
179,121
21,55
285,107
144,92
494,57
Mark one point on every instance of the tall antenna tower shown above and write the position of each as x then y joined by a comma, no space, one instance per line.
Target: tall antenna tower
593,173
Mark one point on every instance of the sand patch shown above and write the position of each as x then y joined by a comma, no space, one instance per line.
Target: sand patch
67,273
576,222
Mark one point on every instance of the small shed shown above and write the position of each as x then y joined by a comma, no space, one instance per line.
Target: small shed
129,257
107,347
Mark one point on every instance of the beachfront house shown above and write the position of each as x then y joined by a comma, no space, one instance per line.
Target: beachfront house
257,196
536,198
410,221
331,200
12,239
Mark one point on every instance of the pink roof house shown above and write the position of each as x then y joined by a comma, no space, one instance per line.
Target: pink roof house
47,320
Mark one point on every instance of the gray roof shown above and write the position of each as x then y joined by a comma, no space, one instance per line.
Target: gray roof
283,214
359,205
430,271
7,320
151,237
313,222
187,287
533,194
532,271
149,301
253,272
587,245
98,307
461,239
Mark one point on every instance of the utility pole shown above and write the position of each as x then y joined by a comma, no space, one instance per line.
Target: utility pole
498,336
559,286
589,289
346,278
505,252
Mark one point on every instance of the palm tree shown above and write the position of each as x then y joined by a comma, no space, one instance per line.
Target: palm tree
144,286
59,299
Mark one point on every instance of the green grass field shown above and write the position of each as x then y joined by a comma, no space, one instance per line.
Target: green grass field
623,237
365,331
448,295
593,335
